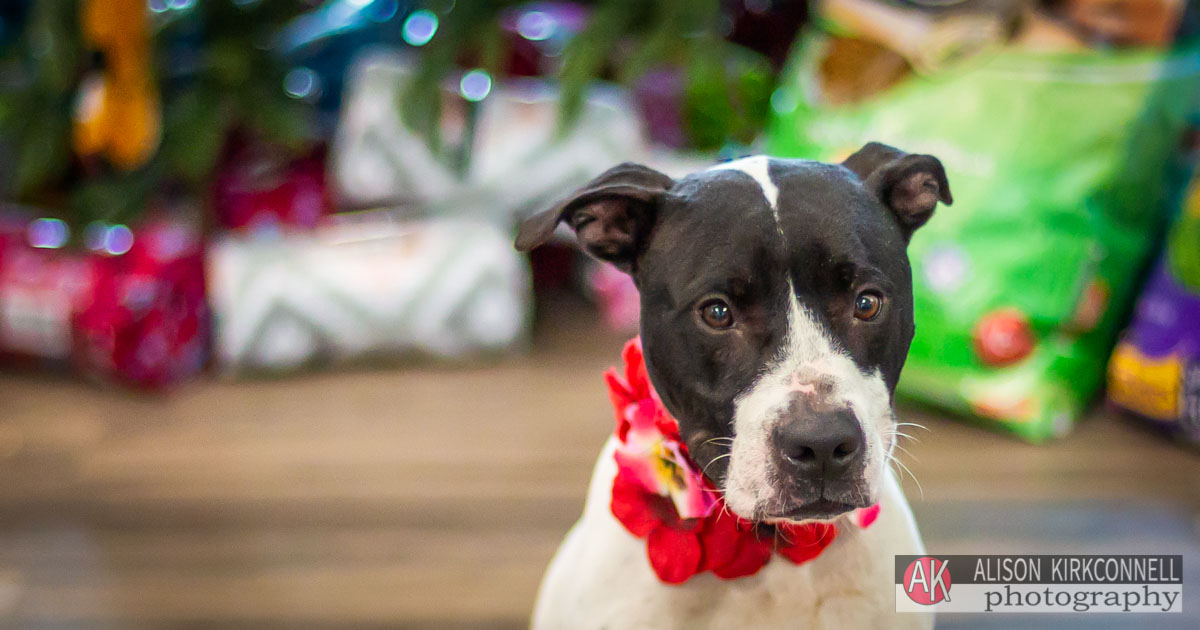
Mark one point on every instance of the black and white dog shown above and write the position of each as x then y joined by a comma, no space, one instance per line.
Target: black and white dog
777,313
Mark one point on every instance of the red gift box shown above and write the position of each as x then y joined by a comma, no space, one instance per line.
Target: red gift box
256,193
129,308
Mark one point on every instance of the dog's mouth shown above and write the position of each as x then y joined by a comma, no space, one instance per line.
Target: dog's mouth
822,509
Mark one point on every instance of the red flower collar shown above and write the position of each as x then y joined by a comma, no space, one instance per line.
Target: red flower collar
659,494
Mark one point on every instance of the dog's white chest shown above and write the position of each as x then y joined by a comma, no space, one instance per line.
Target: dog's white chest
600,578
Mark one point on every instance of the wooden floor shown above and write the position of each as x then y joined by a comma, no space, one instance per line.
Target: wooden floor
434,497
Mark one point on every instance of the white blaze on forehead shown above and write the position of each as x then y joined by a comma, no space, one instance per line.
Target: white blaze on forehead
758,168
808,355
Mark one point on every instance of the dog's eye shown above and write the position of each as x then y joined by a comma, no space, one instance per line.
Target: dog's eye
716,314
867,305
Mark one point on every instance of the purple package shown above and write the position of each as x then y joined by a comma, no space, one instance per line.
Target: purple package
1155,368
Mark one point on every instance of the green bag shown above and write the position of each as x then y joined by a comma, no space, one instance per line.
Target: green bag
1056,162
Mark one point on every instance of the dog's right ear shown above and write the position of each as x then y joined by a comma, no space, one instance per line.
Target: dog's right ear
612,215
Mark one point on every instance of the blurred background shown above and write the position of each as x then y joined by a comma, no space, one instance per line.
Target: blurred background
268,357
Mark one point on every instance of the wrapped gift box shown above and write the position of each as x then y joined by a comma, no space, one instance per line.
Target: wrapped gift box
257,193
449,289
127,308
377,160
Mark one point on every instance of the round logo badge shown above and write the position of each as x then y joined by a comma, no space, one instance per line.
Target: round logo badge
927,581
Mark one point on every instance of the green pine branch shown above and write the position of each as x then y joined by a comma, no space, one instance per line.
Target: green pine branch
728,87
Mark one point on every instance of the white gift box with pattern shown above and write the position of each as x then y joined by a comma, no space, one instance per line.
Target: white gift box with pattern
443,288
517,161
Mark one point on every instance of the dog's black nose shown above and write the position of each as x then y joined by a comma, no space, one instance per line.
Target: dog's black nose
822,444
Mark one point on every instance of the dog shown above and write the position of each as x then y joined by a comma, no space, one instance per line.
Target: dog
776,315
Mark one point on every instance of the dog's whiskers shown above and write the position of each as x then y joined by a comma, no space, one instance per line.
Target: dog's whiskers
899,463
906,452
704,471
896,433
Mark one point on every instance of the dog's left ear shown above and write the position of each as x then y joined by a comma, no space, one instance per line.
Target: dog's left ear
909,185
612,215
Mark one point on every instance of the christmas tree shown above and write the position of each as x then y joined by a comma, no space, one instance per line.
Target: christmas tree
109,105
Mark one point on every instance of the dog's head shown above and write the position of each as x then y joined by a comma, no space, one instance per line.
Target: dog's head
776,312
